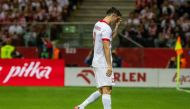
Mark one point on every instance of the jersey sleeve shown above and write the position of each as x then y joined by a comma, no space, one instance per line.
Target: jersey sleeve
107,34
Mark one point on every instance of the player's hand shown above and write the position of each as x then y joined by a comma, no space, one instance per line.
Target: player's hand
109,71
118,22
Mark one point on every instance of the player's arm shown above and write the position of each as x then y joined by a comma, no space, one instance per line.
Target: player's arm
106,47
115,31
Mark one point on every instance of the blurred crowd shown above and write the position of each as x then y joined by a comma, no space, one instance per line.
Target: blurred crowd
157,23
23,22
35,10
153,23
17,19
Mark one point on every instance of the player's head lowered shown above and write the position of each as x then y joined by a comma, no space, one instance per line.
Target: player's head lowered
114,14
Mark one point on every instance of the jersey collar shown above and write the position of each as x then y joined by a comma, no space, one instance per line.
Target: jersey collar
104,21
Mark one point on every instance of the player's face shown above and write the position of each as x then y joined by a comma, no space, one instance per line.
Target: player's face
115,18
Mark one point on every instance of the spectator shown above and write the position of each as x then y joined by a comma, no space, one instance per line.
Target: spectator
178,2
152,29
56,51
184,23
160,41
140,4
168,9
30,38
44,54
5,36
46,51
89,58
157,23
16,29
14,14
55,11
133,20
117,61
183,61
123,42
170,43
168,23
172,63
16,54
7,50
48,46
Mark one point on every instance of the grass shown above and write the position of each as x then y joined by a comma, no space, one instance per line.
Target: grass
68,97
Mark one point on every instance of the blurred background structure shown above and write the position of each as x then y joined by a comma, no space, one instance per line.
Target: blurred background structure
49,43
39,26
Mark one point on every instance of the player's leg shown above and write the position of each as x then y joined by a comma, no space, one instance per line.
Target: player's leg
106,96
93,97
105,83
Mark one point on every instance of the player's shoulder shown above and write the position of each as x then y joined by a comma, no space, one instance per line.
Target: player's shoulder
104,25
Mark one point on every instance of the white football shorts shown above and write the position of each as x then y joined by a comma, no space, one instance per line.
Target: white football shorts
102,79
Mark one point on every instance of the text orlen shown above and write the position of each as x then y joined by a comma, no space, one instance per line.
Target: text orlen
130,77
32,69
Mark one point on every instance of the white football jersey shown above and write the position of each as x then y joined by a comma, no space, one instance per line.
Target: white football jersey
102,31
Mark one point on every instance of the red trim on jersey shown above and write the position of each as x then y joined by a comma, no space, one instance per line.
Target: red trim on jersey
105,39
104,21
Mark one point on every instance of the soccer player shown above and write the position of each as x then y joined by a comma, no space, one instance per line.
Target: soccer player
102,60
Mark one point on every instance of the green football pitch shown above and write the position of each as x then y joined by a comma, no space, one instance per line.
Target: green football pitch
68,97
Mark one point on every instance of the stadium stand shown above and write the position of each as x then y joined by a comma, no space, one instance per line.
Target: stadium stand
20,19
157,23
69,23
89,12
94,10
38,26
150,23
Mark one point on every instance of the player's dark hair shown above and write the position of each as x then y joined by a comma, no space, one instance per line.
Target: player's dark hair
113,10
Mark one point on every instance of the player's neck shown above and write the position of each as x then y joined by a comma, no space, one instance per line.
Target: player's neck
107,19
